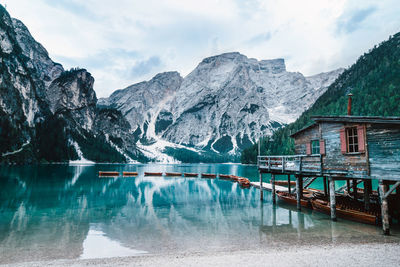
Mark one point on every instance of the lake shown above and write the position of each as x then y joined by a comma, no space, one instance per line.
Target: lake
52,212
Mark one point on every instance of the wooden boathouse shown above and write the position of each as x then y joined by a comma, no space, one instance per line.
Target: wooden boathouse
357,149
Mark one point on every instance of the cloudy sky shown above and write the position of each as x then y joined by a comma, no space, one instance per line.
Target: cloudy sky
122,42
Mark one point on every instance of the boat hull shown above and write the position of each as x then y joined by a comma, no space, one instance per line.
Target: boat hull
173,174
129,173
153,174
190,174
225,176
104,173
285,183
349,214
208,175
292,200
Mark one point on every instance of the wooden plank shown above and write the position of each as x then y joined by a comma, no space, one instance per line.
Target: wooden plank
268,186
332,198
384,208
299,191
384,151
273,188
261,186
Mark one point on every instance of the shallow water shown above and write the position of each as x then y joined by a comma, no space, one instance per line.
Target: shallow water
59,211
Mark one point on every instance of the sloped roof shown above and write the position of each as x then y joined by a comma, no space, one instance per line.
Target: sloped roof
347,118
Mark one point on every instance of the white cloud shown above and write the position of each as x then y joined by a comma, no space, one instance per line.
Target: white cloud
121,42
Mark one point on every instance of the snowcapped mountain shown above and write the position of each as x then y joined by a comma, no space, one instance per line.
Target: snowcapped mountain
224,105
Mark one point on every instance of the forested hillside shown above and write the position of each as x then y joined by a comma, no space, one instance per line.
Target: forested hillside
374,81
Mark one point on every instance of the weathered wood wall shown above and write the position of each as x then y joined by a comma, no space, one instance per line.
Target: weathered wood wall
383,144
352,164
305,137
384,151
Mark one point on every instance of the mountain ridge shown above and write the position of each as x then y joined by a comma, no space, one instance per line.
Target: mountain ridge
227,101
373,80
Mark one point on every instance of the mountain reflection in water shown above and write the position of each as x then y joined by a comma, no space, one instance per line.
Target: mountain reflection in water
61,211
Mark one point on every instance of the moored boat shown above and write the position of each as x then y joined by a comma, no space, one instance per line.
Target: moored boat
346,212
225,176
108,173
235,178
173,174
285,183
208,175
188,174
129,173
291,199
152,173
244,182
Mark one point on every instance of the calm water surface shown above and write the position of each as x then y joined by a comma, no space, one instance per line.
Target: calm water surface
66,212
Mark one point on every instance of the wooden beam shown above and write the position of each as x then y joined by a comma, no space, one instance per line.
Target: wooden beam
391,189
310,182
288,179
367,193
384,208
348,186
273,188
332,198
355,188
299,190
261,187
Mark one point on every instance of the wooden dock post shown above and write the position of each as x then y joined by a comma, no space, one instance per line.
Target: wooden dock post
348,186
367,193
325,187
332,198
383,188
261,187
299,191
355,188
273,188
288,180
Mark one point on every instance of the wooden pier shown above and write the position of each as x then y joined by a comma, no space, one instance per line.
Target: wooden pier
350,148
268,186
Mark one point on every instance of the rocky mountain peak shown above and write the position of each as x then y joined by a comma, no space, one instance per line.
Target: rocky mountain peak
226,103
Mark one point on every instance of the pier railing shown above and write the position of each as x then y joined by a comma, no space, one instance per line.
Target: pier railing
291,164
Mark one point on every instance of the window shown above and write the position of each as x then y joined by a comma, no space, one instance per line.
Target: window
352,139
315,147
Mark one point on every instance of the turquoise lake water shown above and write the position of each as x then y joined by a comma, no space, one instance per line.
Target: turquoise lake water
52,212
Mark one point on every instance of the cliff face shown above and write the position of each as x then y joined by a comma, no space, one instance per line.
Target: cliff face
48,113
225,104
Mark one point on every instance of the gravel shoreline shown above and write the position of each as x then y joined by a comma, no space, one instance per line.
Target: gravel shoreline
383,254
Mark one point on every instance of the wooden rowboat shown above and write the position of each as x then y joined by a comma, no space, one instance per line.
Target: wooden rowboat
208,175
173,174
285,183
105,173
129,173
152,173
187,174
291,199
235,178
225,176
346,213
244,182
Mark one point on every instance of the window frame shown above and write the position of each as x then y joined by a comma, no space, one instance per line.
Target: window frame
352,140
317,147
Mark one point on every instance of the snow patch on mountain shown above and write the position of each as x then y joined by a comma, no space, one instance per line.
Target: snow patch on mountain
82,159
224,105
